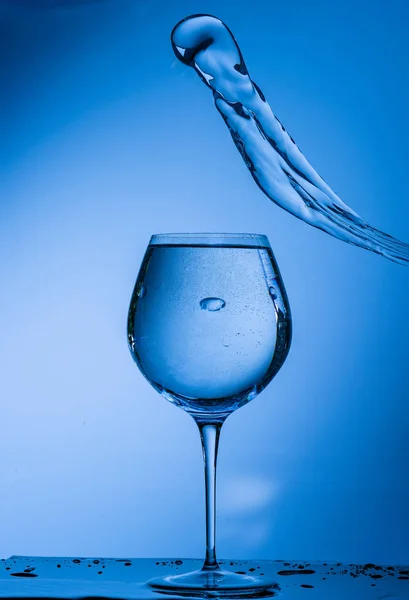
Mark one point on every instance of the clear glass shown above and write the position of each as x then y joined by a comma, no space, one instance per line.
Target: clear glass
209,326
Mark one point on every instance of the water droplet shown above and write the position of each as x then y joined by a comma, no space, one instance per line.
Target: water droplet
288,572
141,291
273,292
212,304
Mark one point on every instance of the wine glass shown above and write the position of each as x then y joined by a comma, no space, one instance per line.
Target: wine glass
209,326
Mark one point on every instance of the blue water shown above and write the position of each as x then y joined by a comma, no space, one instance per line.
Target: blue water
209,327
277,165
69,577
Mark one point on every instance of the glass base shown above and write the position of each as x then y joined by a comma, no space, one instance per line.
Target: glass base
214,584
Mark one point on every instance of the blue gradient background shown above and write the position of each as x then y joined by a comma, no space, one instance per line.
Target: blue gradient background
107,139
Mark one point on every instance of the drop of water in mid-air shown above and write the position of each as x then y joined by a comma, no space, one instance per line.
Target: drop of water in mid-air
212,304
277,165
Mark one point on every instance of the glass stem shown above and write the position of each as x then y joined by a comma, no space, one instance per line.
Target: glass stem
209,434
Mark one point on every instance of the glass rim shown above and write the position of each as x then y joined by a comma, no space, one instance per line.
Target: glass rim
252,240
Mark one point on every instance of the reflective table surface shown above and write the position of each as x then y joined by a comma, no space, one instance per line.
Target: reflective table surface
126,578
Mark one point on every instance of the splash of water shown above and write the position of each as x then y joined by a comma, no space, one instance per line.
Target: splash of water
277,165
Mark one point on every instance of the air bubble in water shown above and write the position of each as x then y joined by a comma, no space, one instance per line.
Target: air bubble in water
212,304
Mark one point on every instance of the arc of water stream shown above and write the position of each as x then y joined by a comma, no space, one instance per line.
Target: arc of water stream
274,160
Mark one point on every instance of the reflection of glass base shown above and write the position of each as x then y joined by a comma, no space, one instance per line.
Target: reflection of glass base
213,584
